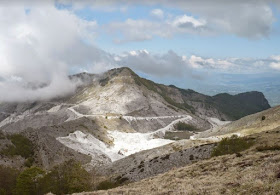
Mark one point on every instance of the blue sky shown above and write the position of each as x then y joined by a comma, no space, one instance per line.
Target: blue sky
221,45
199,44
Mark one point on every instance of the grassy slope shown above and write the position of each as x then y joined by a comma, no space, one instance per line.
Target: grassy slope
250,124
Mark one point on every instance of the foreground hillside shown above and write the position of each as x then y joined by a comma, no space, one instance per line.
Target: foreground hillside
253,171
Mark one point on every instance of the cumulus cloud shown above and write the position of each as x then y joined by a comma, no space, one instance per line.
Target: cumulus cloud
245,18
40,44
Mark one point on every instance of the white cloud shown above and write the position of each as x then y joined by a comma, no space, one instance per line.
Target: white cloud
244,18
186,21
42,44
158,13
140,30
168,64
275,64
199,62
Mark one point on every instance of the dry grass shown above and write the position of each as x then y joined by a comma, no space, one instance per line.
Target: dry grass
252,172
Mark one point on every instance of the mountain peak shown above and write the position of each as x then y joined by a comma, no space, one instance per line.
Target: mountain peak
122,71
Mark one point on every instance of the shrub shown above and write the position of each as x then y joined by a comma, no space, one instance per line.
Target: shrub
231,145
108,184
2,136
28,180
67,178
185,126
8,178
191,157
21,146
112,183
29,162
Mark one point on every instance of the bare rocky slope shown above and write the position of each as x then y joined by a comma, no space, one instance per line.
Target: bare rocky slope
116,122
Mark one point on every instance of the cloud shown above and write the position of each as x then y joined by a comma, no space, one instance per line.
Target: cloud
168,64
173,65
158,13
15,89
39,45
210,63
245,18
251,19
275,64
235,65
140,30
187,21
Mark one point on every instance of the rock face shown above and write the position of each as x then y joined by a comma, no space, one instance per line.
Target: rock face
117,100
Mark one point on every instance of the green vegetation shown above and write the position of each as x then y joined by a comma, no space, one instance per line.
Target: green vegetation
111,183
108,184
66,178
2,136
240,105
265,148
231,145
21,146
28,181
104,81
29,162
185,127
8,180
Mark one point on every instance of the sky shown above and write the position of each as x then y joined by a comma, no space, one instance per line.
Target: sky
211,46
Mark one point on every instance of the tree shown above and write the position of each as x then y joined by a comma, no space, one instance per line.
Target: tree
28,181
67,178
8,177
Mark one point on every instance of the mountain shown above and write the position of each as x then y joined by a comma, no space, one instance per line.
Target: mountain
120,126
